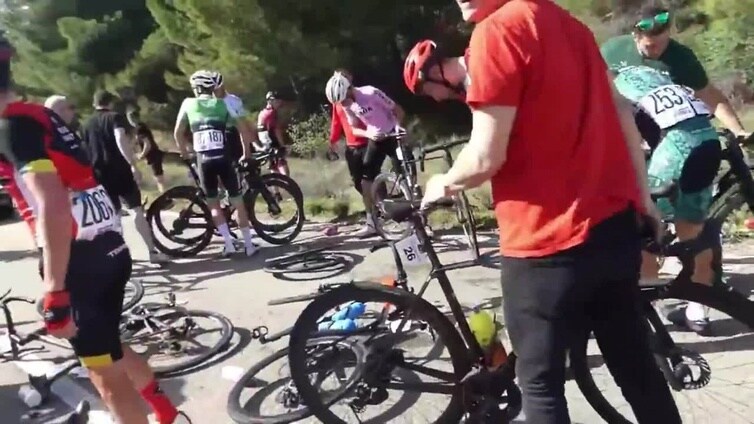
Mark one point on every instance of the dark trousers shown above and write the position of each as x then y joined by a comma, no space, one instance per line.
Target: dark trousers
551,301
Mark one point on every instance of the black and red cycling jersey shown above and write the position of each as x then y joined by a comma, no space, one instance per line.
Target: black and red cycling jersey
36,140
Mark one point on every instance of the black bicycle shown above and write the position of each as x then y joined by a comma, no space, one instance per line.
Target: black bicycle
332,356
478,393
274,190
687,367
734,189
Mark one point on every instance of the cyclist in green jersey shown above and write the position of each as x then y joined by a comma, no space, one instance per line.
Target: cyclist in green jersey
650,44
686,149
208,119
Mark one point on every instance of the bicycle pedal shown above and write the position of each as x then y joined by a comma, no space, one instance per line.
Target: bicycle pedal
259,332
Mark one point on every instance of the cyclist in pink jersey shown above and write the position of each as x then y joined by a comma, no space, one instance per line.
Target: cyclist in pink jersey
372,109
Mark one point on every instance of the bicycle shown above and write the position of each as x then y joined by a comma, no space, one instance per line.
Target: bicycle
254,185
134,292
684,369
241,412
734,189
307,261
477,392
464,214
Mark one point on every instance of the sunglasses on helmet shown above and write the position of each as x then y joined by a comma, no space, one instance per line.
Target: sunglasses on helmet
658,22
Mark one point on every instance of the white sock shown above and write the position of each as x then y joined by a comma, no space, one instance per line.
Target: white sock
695,311
370,222
225,232
246,231
142,227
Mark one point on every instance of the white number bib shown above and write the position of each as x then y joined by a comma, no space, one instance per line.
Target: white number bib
671,104
94,213
410,252
208,140
264,137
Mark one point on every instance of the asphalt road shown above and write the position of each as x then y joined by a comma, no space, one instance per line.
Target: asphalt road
240,290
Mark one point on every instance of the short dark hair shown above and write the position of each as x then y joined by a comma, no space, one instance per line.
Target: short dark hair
103,98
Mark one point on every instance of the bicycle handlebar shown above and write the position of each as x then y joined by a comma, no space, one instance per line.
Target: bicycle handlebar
423,152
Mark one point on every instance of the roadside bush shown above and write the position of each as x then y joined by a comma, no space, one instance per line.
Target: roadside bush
310,135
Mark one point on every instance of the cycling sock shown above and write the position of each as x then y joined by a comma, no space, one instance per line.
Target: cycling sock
696,311
142,227
225,232
370,222
163,408
246,231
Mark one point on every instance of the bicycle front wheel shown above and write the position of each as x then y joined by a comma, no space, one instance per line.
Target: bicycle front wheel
180,222
389,369
271,381
276,197
716,369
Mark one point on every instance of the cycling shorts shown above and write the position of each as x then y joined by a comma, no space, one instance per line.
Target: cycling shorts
689,153
233,145
98,271
214,169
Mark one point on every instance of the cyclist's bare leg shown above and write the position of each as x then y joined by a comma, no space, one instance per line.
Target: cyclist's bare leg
703,273
366,194
160,181
244,224
118,393
218,218
143,380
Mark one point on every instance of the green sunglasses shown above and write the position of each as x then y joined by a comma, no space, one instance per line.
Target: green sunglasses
658,21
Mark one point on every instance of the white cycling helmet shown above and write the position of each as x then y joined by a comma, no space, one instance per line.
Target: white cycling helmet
337,88
202,80
218,77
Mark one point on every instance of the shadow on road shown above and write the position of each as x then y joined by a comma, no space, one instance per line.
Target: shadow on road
17,255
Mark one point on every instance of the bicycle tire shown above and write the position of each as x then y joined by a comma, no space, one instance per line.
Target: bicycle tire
468,223
380,187
128,303
190,247
226,331
293,256
421,310
719,297
240,415
267,232
319,263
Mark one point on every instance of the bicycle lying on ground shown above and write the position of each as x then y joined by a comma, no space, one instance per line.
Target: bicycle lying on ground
684,369
150,329
340,353
477,392
274,189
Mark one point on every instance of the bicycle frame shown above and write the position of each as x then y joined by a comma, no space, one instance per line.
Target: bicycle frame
739,170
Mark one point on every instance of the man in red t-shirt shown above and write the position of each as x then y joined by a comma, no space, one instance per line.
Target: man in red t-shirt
568,179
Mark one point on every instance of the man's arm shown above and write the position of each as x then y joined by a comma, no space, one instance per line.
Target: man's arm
53,226
182,141
486,151
123,140
633,138
720,106
336,128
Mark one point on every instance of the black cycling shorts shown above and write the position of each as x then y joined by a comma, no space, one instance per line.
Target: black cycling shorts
214,169
98,271
120,186
365,162
233,147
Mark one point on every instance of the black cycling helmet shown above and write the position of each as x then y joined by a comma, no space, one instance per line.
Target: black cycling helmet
271,95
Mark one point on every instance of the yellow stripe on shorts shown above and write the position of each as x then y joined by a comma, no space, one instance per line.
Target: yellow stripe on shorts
96,361
39,166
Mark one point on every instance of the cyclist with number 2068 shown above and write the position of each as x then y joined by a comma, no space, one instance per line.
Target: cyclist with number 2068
84,261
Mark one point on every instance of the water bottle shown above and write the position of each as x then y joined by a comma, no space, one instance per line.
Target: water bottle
352,311
30,396
341,325
484,328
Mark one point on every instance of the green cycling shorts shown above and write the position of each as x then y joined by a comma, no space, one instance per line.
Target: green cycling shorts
690,154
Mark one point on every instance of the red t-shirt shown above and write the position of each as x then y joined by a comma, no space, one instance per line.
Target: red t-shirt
567,166
340,125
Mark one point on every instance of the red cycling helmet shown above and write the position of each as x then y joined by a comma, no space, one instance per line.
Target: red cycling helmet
417,62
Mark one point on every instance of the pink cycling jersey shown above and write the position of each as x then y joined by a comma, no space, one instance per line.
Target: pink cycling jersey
373,108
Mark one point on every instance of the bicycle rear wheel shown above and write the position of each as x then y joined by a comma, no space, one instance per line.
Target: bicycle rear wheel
719,297
192,214
376,379
249,411
389,185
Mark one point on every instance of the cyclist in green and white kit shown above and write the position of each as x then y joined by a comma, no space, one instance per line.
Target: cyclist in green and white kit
686,149
208,118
